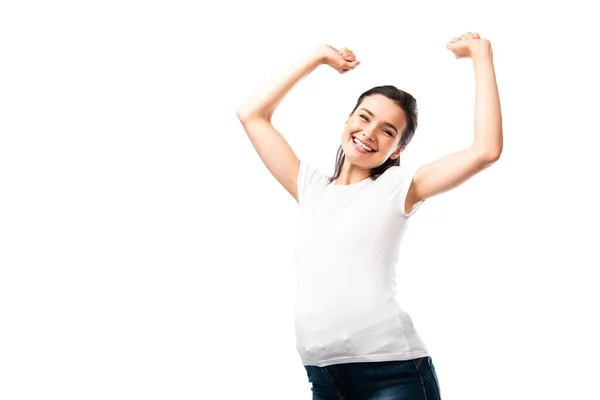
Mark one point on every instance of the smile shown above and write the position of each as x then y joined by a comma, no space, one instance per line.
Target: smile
361,146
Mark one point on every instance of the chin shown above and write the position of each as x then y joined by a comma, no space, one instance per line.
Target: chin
360,160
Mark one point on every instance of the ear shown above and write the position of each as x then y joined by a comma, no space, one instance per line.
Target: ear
397,152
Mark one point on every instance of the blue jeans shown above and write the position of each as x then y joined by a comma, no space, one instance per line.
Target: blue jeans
383,380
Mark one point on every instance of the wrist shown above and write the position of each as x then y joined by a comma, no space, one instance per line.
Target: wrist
483,52
318,55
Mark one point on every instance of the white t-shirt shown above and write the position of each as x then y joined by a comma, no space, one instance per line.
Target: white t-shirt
347,246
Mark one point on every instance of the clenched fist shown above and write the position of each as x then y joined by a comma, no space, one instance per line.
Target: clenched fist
342,60
470,45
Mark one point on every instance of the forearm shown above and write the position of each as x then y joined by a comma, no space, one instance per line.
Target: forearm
488,116
264,102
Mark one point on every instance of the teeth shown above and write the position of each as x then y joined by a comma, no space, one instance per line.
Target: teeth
358,142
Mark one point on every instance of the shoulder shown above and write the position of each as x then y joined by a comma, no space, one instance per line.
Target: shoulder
398,181
308,173
398,174
310,180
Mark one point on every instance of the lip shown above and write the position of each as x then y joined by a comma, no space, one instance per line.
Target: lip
363,142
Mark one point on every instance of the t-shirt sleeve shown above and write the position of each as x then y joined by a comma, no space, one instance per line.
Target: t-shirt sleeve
399,183
310,180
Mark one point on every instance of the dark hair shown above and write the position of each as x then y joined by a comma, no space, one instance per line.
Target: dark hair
408,104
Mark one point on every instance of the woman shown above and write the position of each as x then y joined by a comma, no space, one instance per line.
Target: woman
353,337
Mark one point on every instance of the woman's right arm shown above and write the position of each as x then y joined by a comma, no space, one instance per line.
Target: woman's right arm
255,115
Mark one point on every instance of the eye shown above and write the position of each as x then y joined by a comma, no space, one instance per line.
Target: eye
388,133
364,118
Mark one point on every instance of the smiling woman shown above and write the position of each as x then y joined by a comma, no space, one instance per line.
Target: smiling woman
375,127
352,335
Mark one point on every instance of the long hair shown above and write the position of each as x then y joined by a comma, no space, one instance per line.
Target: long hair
408,104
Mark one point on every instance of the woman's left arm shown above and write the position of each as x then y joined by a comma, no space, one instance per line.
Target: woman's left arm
453,169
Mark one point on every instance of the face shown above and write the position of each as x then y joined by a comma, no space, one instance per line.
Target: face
372,133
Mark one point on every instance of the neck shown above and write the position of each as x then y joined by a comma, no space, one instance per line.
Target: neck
351,174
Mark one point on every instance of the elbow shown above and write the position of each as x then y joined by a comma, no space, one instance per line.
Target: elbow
489,140
245,116
245,112
242,115
488,156
493,155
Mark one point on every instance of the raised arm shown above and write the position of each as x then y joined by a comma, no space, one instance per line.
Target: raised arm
255,115
453,169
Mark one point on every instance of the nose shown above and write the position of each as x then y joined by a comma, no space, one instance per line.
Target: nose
368,135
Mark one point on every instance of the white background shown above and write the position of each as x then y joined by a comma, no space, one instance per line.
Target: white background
146,252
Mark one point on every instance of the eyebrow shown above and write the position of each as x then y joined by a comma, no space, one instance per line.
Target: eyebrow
384,123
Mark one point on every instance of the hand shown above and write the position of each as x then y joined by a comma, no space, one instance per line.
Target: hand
342,60
469,45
